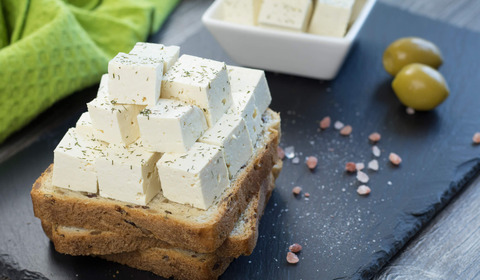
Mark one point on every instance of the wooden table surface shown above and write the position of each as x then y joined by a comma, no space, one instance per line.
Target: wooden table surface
447,248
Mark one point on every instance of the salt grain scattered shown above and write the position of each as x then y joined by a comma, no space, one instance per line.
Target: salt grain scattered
362,177
389,183
290,152
312,162
476,138
363,190
360,166
395,159
346,130
410,111
295,248
292,258
373,165
374,137
376,151
325,122
280,152
350,167
296,190
338,125
296,160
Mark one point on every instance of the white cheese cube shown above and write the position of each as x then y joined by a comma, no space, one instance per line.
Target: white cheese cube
74,163
103,86
171,126
291,15
241,11
197,177
246,81
116,123
201,82
231,134
244,106
356,9
331,17
135,79
85,129
128,173
168,54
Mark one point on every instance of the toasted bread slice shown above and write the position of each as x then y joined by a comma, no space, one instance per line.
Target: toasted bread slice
182,226
241,241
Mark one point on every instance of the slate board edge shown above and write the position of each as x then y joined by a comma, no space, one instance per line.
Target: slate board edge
465,173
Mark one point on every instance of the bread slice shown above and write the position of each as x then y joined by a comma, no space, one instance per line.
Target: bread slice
175,263
182,226
241,241
168,262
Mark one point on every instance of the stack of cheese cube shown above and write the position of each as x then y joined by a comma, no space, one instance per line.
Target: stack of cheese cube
181,126
321,17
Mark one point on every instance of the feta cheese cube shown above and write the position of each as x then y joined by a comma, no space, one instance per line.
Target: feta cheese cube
135,79
128,173
243,11
201,82
85,129
168,55
74,163
171,126
197,177
291,15
231,134
116,123
244,106
331,17
246,81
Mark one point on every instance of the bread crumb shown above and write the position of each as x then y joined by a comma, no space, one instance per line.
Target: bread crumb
296,190
325,122
476,138
374,137
347,130
295,248
350,166
307,194
395,159
292,258
312,162
363,190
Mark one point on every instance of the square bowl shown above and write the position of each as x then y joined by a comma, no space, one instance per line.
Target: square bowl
302,54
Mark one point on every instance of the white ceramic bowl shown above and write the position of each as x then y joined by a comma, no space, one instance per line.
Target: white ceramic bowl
300,54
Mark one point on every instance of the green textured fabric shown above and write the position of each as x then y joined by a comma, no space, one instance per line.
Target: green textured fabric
52,48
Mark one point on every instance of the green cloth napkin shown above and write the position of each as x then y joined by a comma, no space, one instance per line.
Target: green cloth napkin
52,48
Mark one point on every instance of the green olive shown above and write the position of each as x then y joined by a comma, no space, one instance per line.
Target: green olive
409,50
420,86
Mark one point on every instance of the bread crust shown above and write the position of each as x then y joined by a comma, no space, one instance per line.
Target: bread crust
179,225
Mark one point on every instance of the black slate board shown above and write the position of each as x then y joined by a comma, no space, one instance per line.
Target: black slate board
344,235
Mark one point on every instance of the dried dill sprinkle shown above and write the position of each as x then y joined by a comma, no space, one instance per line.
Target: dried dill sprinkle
146,112
113,102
